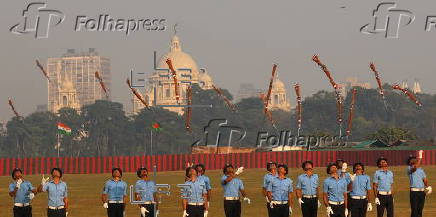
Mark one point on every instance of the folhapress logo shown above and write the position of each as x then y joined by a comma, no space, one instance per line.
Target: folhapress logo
387,19
38,20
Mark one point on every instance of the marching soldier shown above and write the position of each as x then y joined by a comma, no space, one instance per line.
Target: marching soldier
382,185
335,193
279,193
57,194
360,191
201,170
307,190
418,185
23,192
196,203
271,167
145,191
232,187
114,194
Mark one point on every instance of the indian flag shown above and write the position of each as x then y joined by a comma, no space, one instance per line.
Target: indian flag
64,129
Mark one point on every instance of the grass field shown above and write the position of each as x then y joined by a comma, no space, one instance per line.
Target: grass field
84,193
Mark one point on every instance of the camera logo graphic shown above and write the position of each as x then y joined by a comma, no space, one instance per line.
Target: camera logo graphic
387,19
38,19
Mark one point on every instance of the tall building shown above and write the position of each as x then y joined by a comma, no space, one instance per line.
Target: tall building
160,88
417,87
72,79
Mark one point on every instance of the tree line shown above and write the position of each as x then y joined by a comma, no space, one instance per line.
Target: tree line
104,129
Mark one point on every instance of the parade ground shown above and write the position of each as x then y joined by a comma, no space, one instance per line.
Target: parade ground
84,193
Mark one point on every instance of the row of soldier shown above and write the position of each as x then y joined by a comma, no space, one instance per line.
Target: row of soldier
344,194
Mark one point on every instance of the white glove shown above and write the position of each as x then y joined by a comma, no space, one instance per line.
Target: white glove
247,199
352,177
272,204
319,204
239,170
66,214
31,195
329,211
143,211
205,213
369,209
429,189
105,205
185,214
44,180
290,211
19,181
346,212
266,198
157,212
377,201
300,201
420,152
344,167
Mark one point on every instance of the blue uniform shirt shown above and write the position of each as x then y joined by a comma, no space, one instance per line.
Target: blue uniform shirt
335,188
56,193
22,195
384,180
196,191
361,185
206,181
145,189
116,190
308,185
416,178
267,179
232,188
280,188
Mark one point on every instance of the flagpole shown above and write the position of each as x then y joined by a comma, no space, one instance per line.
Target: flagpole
59,143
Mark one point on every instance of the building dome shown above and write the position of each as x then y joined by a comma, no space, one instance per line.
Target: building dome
278,84
180,59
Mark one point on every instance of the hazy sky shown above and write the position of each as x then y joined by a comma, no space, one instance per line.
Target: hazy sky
237,41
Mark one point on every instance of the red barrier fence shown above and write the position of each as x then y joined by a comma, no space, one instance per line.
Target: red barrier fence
86,165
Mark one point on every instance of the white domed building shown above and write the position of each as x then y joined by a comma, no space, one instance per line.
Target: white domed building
187,73
278,99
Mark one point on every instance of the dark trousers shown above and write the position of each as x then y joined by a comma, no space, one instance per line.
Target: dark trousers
338,210
310,207
358,207
150,209
56,213
280,210
232,208
268,207
386,202
195,211
417,200
22,211
115,210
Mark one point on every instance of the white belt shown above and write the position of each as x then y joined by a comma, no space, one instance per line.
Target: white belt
148,202
196,204
21,204
279,202
231,198
56,207
417,189
309,196
336,203
358,197
385,192
115,201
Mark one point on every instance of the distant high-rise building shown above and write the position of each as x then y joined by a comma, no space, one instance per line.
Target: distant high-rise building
41,108
247,90
72,79
405,85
